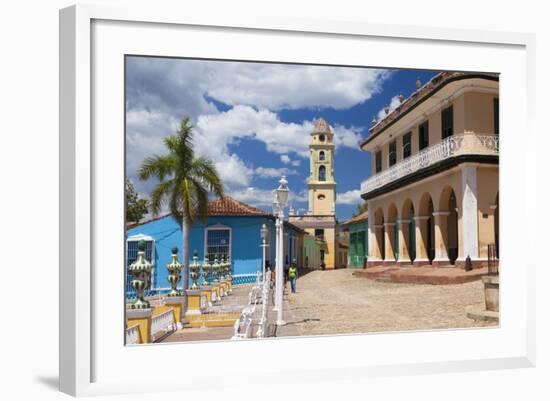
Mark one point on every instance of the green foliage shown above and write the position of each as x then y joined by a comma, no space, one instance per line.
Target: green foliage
136,208
360,209
185,180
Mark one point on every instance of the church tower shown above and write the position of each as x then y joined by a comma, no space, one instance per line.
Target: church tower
321,184
320,221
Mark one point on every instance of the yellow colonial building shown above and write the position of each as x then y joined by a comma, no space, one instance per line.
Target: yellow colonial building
320,220
433,191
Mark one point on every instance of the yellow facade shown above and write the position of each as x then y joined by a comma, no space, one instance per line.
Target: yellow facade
437,205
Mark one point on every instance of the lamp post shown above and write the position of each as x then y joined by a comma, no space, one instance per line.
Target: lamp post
279,204
263,234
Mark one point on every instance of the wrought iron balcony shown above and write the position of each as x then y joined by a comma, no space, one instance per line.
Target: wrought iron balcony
453,146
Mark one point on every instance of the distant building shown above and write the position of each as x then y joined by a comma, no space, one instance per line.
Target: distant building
433,191
320,220
358,238
232,229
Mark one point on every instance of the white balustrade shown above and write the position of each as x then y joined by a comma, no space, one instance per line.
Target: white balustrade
456,145
162,324
132,335
259,293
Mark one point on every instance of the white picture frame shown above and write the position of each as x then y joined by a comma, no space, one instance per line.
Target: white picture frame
90,361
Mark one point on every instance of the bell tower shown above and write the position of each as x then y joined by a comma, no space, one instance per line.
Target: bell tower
321,184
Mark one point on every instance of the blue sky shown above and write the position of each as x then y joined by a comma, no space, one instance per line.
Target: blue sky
253,120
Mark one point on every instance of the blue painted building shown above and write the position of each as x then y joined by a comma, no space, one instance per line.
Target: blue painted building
232,229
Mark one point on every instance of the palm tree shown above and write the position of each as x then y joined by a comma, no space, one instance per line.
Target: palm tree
185,182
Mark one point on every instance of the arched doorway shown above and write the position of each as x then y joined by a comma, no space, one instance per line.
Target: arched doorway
427,228
408,227
448,205
393,234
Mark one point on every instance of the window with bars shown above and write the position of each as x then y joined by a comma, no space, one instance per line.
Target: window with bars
392,154
131,256
378,161
218,243
321,155
406,145
447,122
423,135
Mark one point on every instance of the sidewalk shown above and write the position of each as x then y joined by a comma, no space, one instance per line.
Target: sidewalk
421,275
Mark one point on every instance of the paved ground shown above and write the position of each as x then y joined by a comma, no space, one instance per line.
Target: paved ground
331,302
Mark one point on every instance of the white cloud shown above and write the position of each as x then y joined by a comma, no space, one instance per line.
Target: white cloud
233,171
246,122
347,137
391,107
352,197
279,137
264,197
276,86
269,172
295,163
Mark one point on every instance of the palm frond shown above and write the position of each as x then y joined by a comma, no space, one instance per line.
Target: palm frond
160,194
204,171
200,200
158,166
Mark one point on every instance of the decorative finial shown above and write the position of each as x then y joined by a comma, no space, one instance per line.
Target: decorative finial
141,245
174,250
401,98
418,83
195,253
373,120
387,110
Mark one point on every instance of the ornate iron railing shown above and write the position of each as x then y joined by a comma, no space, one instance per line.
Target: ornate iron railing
456,145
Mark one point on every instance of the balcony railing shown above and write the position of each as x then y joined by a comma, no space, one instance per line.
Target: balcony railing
456,145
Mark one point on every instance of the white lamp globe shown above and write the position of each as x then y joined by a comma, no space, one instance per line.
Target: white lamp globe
282,191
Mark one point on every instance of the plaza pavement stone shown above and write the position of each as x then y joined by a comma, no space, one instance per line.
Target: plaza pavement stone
336,302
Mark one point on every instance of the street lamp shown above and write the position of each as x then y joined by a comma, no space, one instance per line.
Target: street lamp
263,234
279,203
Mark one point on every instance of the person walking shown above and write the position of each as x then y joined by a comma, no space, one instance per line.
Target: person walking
293,275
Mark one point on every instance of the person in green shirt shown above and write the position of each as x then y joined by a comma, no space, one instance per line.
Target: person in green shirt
293,275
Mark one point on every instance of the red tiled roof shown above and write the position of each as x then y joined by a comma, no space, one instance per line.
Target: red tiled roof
420,95
322,126
227,206
359,217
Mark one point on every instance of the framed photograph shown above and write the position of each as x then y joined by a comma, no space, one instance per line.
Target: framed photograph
335,198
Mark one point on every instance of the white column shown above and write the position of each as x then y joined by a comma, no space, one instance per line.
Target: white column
277,260
372,235
404,235
441,238
469,212
280,271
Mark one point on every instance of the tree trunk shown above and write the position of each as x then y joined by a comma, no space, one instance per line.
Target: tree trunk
186,231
